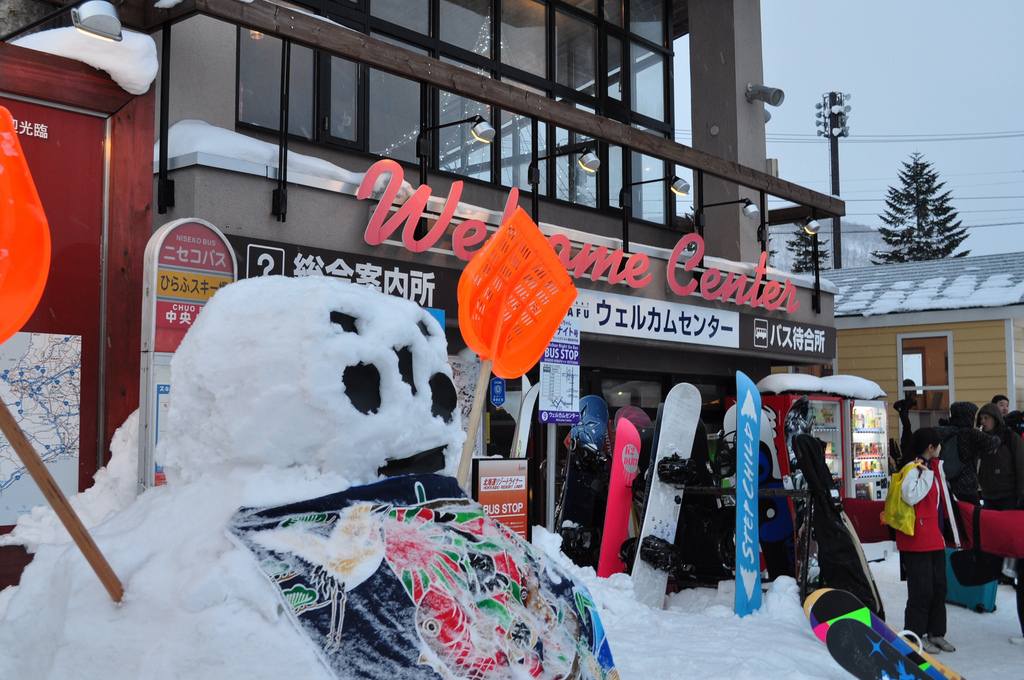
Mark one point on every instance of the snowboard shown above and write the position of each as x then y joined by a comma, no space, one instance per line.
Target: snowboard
867,655
748,446
677,425
645,428
826,605
581,509
625,459
524,422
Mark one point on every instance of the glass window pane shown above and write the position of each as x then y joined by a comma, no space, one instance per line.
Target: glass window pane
614,68
648,82
585,5
572,182
458,150
467,24
259,84
647,19
614,172
648,199
926,379
344,97
643,393
411,14
522,36
517,149
613,12
395,103
575,53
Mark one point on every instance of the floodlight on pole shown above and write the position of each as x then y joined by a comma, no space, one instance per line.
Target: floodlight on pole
588,162
678,186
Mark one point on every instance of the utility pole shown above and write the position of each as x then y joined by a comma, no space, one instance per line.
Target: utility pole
832,122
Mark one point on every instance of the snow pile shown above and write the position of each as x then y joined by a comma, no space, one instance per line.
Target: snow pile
131,63
849,386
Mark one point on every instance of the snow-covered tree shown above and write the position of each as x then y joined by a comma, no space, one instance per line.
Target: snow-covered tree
920,222
802,247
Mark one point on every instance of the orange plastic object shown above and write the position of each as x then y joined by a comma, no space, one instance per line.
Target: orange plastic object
24,235
513,296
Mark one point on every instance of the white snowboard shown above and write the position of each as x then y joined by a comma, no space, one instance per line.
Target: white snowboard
525,421
679,423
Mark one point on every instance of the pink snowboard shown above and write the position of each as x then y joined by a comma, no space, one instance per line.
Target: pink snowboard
620,497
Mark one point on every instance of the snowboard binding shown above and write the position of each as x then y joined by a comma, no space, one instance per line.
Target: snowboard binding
679,471
581,545
661,554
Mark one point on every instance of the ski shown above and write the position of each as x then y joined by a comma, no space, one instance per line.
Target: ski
524,423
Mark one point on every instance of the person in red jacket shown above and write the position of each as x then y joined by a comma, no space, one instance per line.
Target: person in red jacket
923,553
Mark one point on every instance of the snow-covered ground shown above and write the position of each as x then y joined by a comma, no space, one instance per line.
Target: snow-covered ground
253,423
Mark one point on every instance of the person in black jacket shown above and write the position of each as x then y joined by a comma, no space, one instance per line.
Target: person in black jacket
1001,472
971,444
1001,476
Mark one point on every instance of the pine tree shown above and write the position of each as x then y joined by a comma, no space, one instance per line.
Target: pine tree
920,222
802,247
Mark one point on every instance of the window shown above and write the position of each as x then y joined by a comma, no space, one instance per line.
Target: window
467,24
648,82
457,151
925,372
575,54
411,14
523,29
607,56
647,19
517,149
259,97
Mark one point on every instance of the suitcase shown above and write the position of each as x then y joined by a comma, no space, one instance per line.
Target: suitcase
979,598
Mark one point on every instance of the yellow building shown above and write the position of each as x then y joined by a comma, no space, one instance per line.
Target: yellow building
954,327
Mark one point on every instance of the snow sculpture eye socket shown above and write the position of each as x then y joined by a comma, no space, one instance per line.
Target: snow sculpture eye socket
362,385
443,397
346,321
423,329
405,367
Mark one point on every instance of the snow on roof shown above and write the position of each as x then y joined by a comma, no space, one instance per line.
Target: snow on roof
835,385
950,283
131,63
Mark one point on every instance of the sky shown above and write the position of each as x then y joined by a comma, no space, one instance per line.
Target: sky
927,76
260,428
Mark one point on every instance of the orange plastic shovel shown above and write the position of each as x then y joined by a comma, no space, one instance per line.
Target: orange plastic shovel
513,296
24,265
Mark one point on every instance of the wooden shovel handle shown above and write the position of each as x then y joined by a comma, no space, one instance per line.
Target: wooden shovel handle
474,422
59,502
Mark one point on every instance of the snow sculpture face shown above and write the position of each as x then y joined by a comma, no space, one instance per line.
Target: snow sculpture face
312,371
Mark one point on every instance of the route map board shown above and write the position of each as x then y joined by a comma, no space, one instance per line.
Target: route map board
560,376
41,382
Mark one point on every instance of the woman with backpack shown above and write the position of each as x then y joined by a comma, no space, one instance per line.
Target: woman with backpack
923,552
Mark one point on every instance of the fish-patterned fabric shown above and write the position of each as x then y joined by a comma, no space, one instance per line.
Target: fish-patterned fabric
409,579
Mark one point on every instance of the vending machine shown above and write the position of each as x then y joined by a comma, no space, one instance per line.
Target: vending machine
866,428
826,420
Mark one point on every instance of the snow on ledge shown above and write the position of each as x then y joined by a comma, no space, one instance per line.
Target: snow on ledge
131,63
849,386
